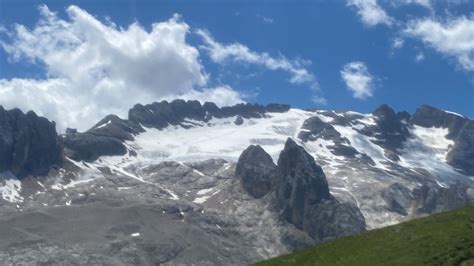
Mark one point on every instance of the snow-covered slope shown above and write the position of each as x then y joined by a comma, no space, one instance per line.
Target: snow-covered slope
392,166
362,179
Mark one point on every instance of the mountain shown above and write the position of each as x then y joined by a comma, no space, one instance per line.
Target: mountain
442,239
179,182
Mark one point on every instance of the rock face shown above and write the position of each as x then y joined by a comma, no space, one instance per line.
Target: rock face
256,170
398,198
302,194
461,130
390,130
433,198
301,184
160,115
28,143
89,147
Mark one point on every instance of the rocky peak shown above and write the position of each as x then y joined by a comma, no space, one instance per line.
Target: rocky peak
256,170
29,144
428,116
302,195
301,183
461,130
390,131
162,114
385,112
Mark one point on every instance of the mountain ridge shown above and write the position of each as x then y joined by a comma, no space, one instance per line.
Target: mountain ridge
381,168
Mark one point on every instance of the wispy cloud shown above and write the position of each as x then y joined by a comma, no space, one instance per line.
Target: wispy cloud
358,79
239,53
370,12
266,20
453,38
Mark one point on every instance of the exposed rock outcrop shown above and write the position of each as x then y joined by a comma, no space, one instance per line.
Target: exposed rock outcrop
89,147
461,130
160,115
433,198
256,171
29,144
302,194
398,198
390,130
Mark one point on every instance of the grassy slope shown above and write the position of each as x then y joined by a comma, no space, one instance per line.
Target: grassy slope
441,239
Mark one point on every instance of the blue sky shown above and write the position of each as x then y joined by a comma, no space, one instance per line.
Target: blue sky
354,54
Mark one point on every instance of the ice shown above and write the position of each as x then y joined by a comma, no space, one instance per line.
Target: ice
219,138
427,149
363,144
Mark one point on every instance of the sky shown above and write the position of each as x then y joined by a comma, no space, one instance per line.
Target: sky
77,61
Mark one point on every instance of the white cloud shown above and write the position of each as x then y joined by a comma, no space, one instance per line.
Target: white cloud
370,12
358,79
221,96
398,43
423,3
236,52
419,57
266,20
453,38
95,68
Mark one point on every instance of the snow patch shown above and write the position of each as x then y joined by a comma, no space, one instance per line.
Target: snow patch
10,190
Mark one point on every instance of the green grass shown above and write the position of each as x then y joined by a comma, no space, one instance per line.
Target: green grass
441,239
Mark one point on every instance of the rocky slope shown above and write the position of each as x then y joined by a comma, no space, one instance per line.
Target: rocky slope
28,144
182,183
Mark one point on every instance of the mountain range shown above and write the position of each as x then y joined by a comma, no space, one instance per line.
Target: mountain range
188,183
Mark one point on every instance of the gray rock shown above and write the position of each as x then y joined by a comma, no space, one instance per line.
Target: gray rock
331,219
256,171
89,147
433,198
239,120
398,198
29,144
114,126
302,194
389,132
461,130
301,184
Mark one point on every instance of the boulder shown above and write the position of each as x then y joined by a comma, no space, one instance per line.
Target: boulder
256,171
238,120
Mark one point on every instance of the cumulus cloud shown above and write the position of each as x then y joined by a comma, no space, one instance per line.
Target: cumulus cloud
370,12
453,38
358,79
239,53
221,96
95,68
